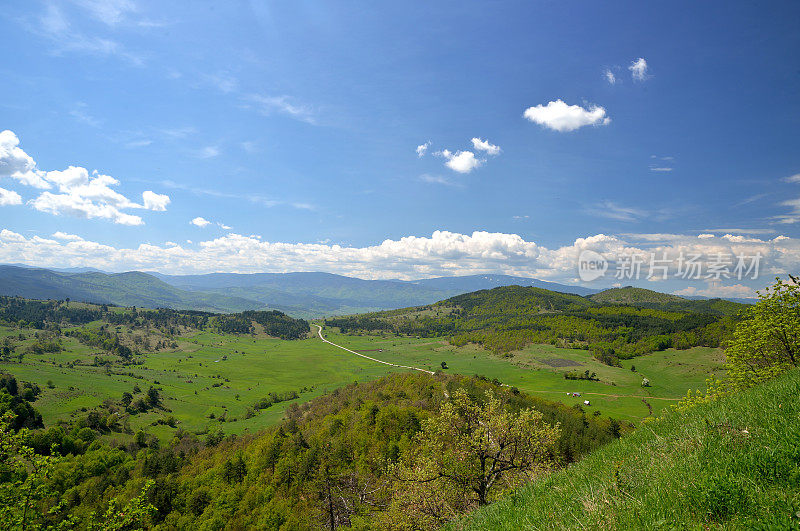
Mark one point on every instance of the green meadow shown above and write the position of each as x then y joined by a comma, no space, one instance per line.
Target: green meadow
211,381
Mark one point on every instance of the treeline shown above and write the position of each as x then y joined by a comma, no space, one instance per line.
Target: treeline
327,464
16,398
509,318
49,314
273,322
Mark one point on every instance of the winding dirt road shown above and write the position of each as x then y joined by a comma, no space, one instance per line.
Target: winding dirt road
367,357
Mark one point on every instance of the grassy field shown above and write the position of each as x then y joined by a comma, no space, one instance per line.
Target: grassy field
730,464
223,375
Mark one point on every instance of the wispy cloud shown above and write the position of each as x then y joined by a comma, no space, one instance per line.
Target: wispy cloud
252,198
80,114
611,210
639,69
208,152
268,105
57,28
437,179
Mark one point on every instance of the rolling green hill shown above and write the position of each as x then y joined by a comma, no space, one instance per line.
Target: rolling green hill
631,295
506,319
729,464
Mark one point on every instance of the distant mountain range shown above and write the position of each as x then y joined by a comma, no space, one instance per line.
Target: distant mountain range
307,295
298,294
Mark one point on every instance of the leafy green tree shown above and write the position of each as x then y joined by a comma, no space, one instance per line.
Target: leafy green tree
767,341
24,478
467,455
136,515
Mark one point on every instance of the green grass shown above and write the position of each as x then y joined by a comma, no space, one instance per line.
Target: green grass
731,464
262,365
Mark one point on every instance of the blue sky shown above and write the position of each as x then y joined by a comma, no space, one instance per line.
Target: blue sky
296,125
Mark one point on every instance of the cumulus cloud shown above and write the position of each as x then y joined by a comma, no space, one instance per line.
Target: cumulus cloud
9,197
81,207
638,69
559,116
64,236
17,164
78,192
484,145
734,291
200,222
223,226
442,253
610,77
460,161
154,201
422,149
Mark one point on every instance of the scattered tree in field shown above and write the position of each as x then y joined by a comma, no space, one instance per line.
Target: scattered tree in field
444,365
645,382
465,456
767,341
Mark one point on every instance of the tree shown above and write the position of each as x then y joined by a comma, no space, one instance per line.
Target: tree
767,341
153,397
25,477
466,455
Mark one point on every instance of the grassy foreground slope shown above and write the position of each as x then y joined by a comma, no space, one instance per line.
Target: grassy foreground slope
729,464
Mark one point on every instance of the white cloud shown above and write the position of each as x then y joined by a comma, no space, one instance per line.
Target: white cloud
223,226
660,168
559,116
442,253
611,210
208,152
200,222
109,12
9,197
17,164
484,145
80,193
154,201
64,236
422,149
638,69
139,143
793,178
82,207
54,26
610,77
460,161
734,291
436,179
268,105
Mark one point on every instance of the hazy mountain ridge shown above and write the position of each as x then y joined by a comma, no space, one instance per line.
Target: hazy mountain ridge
300,294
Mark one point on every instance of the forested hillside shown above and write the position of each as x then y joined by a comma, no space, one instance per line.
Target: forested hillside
508,318
340,460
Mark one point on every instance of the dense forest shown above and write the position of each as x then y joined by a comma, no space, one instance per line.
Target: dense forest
53,315
334,461
505,319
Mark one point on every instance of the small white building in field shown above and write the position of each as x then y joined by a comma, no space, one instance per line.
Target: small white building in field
586,403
